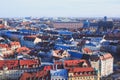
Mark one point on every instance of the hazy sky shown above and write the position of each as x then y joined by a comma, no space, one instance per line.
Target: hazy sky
56,8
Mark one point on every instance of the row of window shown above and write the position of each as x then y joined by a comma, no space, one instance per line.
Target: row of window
82,78
58,79
82,73
59,74
19,71
38,78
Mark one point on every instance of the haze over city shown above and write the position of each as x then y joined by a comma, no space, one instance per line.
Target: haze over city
60,8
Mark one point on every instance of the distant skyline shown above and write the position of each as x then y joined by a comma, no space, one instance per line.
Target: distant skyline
59,8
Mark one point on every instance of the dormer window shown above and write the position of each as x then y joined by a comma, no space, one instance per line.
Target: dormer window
84,64
89,73
5,68
80,73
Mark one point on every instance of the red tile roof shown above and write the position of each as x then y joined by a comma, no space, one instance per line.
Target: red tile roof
74,62
87,50
29,62
83,69
8,48
8,63
15,43
106,56
38,74
41,73
16,63
47,68
2,26
4,45
58,62
22,49
25,76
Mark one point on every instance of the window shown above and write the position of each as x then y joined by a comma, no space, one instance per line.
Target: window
36,78
28,79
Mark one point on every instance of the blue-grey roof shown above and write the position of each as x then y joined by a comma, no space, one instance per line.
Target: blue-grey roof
64,32
27,31
90,44
59,72
75,54
65,47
